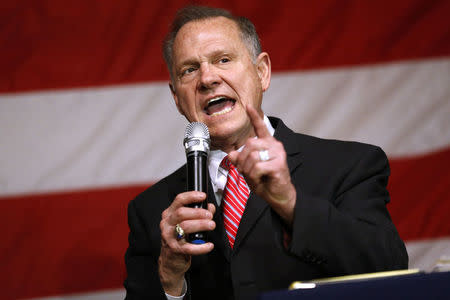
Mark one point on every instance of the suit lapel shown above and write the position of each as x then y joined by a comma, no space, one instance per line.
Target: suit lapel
253,210
256,205
290,143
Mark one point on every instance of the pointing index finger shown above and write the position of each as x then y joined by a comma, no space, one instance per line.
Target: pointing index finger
261,130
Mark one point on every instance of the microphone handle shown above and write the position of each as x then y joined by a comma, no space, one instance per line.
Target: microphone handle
197,180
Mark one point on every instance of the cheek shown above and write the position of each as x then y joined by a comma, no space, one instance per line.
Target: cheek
251,88
185,100
189,110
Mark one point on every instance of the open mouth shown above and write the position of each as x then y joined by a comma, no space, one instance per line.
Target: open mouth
219,106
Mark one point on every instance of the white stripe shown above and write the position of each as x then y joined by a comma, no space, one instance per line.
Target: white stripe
93,137
238,201
232,208
402,107
230,235
88,138
234,221
425,254
239,188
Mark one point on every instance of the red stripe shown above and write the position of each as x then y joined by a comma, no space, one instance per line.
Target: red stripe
235,201
238,193
233,195
231,238
241,186
420,193
231,214
63,242
54,44
236,188
229,227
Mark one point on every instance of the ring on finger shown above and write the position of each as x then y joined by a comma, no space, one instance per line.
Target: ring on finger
264,155
179,232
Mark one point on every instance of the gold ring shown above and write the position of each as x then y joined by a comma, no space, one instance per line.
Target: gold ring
179,232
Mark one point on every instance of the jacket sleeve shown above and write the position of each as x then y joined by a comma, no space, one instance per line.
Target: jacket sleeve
141,260
348,230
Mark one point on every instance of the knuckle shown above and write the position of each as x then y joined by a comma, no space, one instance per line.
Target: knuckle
280,146
173,245
212,209
276,176
179,198
251,142
162,225
255,155
178,214
165,239
184,225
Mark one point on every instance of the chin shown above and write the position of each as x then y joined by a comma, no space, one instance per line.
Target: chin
230,132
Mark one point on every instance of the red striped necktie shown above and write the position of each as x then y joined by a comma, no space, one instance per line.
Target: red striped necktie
235,197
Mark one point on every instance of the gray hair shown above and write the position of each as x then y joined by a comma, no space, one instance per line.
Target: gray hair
195,13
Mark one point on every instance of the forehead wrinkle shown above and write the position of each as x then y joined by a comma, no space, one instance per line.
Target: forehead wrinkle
219,49
230,28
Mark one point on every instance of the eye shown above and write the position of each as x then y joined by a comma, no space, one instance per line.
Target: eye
224,60
188,70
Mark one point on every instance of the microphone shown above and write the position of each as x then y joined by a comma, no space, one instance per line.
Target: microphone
196,143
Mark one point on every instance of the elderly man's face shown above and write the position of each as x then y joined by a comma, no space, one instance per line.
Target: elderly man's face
215,77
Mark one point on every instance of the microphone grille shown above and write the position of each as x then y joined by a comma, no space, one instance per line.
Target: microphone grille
196,130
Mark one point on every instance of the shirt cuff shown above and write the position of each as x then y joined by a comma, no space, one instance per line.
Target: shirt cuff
183,293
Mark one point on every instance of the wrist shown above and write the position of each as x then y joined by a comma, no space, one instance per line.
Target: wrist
171,282
180,297
285,209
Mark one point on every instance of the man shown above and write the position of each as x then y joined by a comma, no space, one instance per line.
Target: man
316,207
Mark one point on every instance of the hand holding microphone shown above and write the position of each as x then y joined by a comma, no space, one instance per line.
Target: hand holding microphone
176,246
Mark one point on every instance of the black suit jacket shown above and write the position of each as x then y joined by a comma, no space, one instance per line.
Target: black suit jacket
341,226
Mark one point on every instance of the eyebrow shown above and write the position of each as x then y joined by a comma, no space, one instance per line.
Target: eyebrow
214,54
188,62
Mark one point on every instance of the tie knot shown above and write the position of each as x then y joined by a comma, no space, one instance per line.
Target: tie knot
226,164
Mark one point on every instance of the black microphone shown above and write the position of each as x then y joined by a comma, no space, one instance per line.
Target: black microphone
196,142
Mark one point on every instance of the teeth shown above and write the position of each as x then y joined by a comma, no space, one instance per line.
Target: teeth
228,109
215,99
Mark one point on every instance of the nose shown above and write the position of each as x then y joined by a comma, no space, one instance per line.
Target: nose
209,77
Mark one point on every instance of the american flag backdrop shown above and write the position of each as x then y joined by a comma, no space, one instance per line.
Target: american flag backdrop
87,120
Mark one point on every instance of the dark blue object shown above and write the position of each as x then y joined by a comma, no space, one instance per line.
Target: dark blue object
411,287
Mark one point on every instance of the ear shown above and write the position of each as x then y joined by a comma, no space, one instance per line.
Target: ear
175,97
264,68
